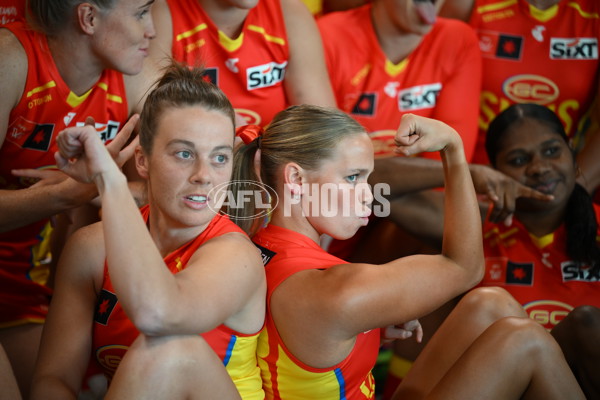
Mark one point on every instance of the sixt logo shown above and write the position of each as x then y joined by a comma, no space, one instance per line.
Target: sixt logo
265,75
574,271
574,48
419,97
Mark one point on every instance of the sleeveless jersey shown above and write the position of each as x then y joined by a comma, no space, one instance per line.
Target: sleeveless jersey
440,78
546,57
114,332
284,253
250,69
538,272
46,107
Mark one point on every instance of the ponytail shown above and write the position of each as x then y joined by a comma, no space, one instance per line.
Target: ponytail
581,228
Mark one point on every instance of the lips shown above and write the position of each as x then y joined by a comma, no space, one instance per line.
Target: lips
426,10
547,187
197,198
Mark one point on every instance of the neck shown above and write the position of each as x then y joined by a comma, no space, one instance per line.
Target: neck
229,19
76,64
395,43
295,222
543,4
541,223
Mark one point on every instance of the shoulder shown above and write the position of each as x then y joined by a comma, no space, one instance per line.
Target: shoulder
13,76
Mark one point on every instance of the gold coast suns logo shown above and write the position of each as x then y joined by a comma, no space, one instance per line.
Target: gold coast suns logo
548,312
110,357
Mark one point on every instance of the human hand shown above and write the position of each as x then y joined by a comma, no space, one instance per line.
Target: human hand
403,331
502,191
82,155
40,177
417,134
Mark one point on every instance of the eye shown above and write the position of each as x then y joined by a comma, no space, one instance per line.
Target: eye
517,161
221,158
552,151
143,13
352,178
184,154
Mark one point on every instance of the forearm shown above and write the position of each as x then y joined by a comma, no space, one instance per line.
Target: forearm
407,174
25,206
132,255
462,238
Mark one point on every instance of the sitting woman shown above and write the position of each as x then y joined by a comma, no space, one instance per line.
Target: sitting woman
548,258
142,285
326,317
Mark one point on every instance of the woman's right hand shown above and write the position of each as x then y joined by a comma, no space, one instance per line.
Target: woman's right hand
417,134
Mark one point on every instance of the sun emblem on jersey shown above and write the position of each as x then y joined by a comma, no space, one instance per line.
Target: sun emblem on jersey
538,33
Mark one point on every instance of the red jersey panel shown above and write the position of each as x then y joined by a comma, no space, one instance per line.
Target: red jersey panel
114,332
530,56
285,253
11,10
439,79
46,107
250,69
538,272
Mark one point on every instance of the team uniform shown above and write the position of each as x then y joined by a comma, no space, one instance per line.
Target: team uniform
113,331
439,79
538,272
285,253
546,57
46,107
250,69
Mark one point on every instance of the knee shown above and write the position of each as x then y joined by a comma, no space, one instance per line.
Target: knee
492,303
585,318
525,336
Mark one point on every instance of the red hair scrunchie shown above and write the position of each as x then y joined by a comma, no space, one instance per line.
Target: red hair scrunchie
249,133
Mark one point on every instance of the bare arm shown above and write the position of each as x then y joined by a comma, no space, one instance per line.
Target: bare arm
306,79
67,339
342,301
195,300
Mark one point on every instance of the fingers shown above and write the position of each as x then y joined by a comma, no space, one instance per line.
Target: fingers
123,136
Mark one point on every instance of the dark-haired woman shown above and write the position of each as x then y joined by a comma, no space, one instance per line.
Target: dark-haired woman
155,280
549,257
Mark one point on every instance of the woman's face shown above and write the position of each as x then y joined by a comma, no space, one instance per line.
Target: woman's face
123,35
191,155
534,155
337,198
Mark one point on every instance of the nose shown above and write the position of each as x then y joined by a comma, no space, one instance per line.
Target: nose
200,174
538,166
365,194
150,31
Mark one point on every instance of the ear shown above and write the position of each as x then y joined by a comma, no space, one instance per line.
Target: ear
141,162
293,176
87,17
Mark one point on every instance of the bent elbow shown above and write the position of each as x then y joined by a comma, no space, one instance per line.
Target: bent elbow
150,321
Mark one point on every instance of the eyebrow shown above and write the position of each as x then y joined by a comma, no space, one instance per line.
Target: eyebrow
147,4
193,145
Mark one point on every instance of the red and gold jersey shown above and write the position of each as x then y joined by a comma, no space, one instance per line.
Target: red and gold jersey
538,272
114,332
250,69
46,107
284,253
546,57
440,79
